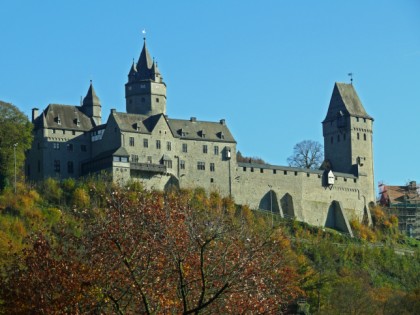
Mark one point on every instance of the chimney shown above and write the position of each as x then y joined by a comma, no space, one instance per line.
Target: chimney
113,110
193,119
34,114
222,122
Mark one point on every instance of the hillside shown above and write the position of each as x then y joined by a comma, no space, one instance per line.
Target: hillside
88,246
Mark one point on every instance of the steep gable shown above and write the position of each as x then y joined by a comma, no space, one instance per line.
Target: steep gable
344,99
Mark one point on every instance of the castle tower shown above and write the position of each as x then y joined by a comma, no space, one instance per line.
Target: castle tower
145,91
92,106
347,131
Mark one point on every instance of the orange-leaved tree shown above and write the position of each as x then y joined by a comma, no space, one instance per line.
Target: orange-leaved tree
147,252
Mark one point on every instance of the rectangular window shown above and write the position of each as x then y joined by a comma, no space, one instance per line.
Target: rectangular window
157,144
182,164
184,148
83,147
169,145
131,141
167,163
53,131
57,166
216,150
358,136
73,132
205,148
69,147
134,158
274,171
145,143
261,170
201,166
70,168
212,168
56,146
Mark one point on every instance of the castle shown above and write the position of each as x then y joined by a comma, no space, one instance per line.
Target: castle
144,144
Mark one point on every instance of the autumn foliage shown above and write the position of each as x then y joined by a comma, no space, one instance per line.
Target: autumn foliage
147,252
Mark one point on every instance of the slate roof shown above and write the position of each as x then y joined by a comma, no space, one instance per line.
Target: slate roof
91,98
136,122
200,130
187,129
61,116
344,98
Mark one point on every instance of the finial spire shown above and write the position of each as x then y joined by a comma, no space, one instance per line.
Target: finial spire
144,34
351,77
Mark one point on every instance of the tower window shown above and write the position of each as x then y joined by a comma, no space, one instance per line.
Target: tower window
358,136
205,148
184,148
131,141
56,146
357,119
364,136
145,143
157,144
57,166
157,100
70,167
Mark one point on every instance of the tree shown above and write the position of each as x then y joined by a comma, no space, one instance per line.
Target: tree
307,154
15,129
149,253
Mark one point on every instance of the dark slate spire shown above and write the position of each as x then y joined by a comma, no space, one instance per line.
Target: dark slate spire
91,99
92,106
144,64
345,100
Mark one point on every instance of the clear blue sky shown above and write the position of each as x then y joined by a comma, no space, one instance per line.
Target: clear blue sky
267,67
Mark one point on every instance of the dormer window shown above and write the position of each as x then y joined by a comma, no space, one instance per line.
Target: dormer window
202,133
182,132
136,126
77,122
221,135
58,120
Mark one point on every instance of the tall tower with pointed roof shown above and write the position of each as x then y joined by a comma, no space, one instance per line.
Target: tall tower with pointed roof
92,106
348,141
145,91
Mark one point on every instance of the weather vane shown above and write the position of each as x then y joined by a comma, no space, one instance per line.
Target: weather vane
144,33
351,77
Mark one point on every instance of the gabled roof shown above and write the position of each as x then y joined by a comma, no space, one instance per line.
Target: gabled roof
200,130
344,99
186,129
400,194
136,122
60,116
91,98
